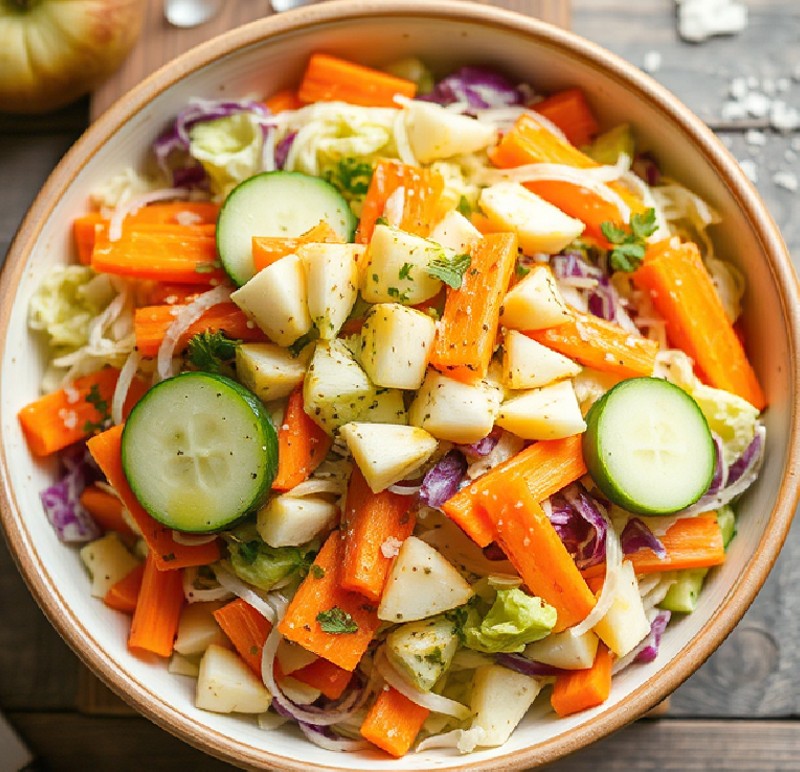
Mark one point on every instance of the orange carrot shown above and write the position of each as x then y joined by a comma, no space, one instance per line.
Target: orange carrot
106,449
423,189
321,597
329,79
167,293
583,689
467,330
184,254
105,509
690,542
247,630
569,111
151,323
603,345
158,610
683,293
124,594
71,414
330,679
370,519
534,547
548,466
269,249
283,100
302,445
84,233
393,722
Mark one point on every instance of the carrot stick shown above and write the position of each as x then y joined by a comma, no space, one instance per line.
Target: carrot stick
302,445
547,466
329,79
105,509
683,293
580,690
321,593
167,293
690,542
106,449
184,254
283,100
569,111
158,610
269,249
393,722
423,189
467,330
123,595
534,547
370,520
330,679
603,345
247,630
71,414
84,234
151,323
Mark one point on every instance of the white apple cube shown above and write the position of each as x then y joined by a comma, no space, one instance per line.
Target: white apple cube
548,413
332,281
395,345
500,698
625,624
198,629
386,453
534,303
456,232
421,583
108,560
276,300
565,650
528,364
269,370
386,407
454,411
396,267
540,226
226,684
292,656
435,133
289,521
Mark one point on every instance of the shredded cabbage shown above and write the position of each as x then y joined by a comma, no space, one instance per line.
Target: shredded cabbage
121,187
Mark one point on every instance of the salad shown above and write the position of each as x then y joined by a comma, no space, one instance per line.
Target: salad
391,407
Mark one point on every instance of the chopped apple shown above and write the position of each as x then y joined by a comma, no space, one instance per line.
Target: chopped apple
435,133
422,650
456,232
386,453
386,407
540,226
397,267
332,281
292,656
395,345
336,390
198,629
454,411
528,364
276,300
289,521
534,303
625,624
422,583
269,370
548,413
565,650
107,559
226,684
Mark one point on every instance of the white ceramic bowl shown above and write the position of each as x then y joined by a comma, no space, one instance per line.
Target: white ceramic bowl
264,57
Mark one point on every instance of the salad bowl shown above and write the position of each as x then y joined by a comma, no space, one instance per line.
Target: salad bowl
265,57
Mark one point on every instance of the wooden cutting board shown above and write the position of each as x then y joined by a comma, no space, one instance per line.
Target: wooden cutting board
160,42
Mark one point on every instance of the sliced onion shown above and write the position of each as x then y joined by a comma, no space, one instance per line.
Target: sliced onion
184,319
235,585
136,203
636,536
433,702
404,490
194,595
193,539
330,742
528,667
463,740
124,382
404,151
314,487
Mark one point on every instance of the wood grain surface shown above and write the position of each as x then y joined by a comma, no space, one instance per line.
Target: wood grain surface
738,712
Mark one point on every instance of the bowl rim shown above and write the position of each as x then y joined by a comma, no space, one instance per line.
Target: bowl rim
739,596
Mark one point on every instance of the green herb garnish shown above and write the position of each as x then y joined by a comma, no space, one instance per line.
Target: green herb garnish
318,572
405,271
213,352
95,398
336,621
303,341
449,270
629,244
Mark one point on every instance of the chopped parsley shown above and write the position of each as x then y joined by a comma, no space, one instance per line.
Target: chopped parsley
381,221
629,244
434,656
303,341
450,270
458,616
336,621
464,207
248,551
405,271
318,572
213,352
95,398
521,270
400,297
350,176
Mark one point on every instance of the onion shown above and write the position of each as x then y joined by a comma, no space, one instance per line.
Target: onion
404,151
433,702
463,740
136,203
313,487
124,382
404,490
247,594
528,667
184,319
328,740
443,479
636,536
194,595
193,539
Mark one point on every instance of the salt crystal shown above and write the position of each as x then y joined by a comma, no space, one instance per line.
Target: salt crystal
783,117
752,82
785,180
783,85
733,111
768,86
700,19
391,547
738,89
758,105
652,61
757,138
750,169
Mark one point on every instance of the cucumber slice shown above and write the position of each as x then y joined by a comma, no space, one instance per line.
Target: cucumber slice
276,204
648,447
199,452
682,596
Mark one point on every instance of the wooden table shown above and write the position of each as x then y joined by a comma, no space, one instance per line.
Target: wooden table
738,712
